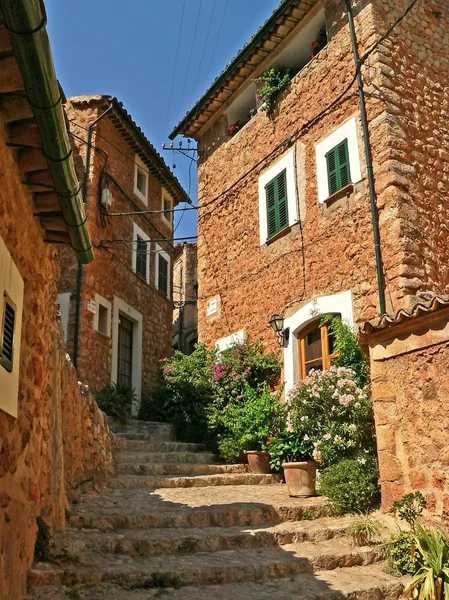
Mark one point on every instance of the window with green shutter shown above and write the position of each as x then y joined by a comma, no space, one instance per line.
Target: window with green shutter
338,172
7,334
277,208
163,275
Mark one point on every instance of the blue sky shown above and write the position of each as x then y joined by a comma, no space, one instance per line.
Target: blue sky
128,50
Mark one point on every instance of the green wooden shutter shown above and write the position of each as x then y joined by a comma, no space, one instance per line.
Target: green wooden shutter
163,275
7,336
277,205
338,171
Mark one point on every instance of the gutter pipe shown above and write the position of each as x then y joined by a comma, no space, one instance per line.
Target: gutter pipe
79,274
26,22
369,162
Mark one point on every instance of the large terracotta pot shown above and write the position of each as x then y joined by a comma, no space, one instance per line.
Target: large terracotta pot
300,478
259,461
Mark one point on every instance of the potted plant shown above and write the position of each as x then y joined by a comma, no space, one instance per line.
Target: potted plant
294,453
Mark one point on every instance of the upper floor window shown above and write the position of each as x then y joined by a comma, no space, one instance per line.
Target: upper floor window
338,160
167,207
277,197
141,180
162,271
316,348
7,333
141,253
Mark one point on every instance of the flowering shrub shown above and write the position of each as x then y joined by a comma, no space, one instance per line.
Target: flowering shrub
331,410
234,128
319,42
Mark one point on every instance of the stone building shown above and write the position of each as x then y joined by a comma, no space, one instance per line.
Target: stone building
54,442
185,292
290,202
117,312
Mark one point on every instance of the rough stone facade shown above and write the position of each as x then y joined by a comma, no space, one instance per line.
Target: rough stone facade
111,275
331,248
59,439
409,366
185,291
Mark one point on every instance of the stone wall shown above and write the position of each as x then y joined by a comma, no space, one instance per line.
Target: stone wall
410,387
50,444
111,275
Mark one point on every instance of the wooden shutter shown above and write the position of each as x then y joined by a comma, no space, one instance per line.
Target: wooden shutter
277,204
338,171
7,336
141,257
163,275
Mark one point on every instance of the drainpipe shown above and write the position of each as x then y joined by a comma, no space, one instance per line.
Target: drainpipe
26,22
79,275
369,162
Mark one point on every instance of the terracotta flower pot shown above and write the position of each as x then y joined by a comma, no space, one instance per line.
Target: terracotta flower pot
300,478
259,461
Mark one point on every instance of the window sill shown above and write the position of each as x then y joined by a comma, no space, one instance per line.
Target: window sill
346,191
142,278
279,235
104,335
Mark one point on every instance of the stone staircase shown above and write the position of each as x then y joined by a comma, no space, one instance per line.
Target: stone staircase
177,523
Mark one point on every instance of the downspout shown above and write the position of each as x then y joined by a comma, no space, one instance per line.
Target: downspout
26,22
369,162
79,274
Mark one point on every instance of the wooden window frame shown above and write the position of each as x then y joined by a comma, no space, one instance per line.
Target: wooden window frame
325,357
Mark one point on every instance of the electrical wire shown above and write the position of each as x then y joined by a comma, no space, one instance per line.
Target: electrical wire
178,43
203,53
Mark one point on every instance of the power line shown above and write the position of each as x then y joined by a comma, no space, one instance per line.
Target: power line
174,66
203,53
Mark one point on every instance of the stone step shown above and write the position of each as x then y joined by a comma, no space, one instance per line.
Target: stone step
225,506
187,469
356,583
134,456
157,431
138,441
209,568
73,543
154,482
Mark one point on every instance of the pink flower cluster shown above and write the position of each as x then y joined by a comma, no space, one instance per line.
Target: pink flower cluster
219,371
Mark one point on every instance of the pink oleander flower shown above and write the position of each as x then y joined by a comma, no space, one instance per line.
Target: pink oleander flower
219,370
168,370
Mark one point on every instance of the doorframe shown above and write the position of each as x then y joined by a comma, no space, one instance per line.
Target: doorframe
121,307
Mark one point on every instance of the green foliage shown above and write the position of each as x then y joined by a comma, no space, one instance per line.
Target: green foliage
350,486
288,447
42,545
157,580
431,581
363,531
247,421
320,41
399,554
307,515
335,413
409,507
274,81
351,355
73,594
116,401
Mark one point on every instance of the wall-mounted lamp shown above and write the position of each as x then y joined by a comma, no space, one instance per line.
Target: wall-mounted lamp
277,323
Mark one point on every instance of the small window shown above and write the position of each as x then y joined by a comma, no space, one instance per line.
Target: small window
277,209
316,349
141,180
163,275
103,319
141,257
167,207
338,171
102,316
7,338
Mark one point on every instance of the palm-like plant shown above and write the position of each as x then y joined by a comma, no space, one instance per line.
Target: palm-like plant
431,582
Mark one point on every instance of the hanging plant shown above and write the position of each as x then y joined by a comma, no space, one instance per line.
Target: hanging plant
274,81
234,128
319,42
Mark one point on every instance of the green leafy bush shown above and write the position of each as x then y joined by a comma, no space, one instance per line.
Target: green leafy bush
116,401
409,507
288,447
274,81
42,545
350,486
335,413
399,554
350,355
247,421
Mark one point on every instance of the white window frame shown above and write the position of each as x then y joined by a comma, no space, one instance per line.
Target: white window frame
108,306
166,196
121,307
346,131
160,252
287,162
322,305
11,284
231,340
137,231
140,165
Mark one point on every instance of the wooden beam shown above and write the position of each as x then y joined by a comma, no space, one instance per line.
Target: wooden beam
26,134
57,237
56,224
5,40
10,76
14,108
46,202
32,159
